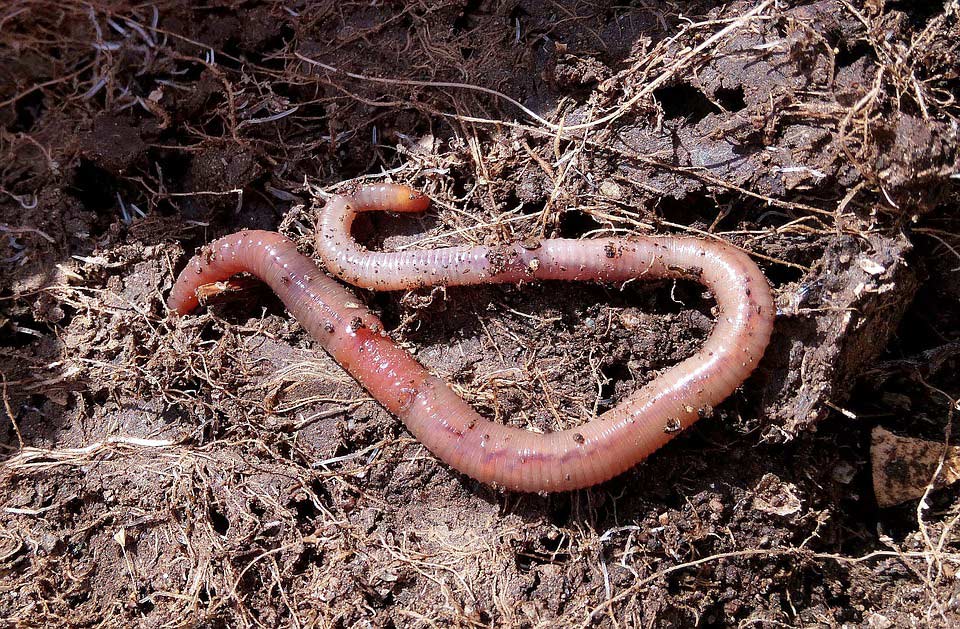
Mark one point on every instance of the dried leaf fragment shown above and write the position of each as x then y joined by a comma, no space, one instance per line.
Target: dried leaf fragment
903,466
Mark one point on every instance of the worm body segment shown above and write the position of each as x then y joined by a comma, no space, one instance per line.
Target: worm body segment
493,453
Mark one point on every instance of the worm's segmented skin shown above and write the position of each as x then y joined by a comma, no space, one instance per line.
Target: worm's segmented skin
493,453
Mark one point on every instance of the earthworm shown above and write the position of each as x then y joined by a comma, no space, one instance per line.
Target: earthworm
493,453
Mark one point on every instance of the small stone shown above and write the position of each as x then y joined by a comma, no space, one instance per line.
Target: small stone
843,473
611,190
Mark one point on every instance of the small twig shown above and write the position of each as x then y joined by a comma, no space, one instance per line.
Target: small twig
6,406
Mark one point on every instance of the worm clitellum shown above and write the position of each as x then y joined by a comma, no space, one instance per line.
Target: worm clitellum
493,453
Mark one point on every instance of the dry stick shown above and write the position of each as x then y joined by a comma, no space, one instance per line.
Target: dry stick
6,406
47,458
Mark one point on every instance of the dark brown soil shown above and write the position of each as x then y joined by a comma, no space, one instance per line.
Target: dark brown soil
219,470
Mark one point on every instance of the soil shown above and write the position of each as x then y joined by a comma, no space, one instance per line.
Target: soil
219,470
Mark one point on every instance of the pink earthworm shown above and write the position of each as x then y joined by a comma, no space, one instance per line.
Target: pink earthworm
493,453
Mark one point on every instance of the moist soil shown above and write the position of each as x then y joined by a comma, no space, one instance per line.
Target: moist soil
221,470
